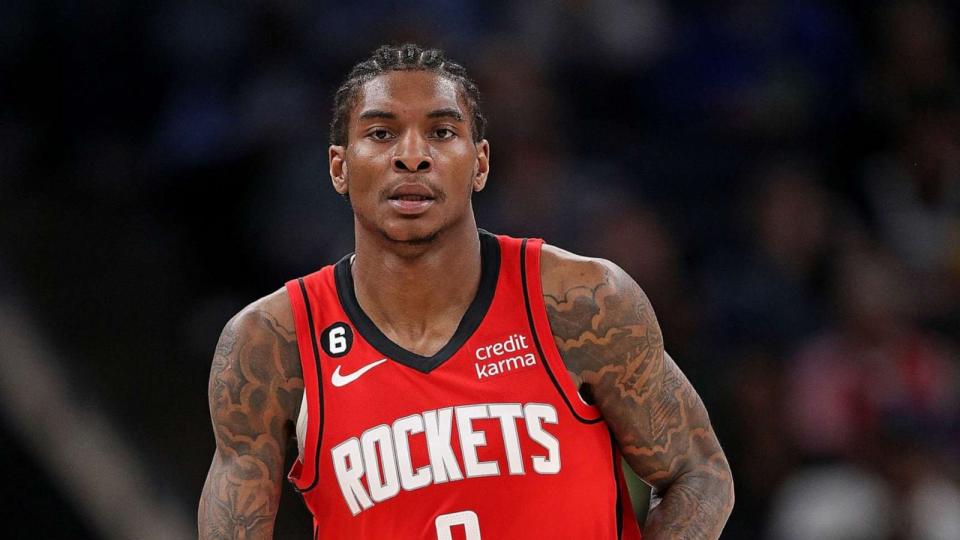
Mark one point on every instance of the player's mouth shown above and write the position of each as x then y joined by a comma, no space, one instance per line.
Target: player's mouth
411,198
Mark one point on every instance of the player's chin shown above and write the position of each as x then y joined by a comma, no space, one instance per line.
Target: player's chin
413,232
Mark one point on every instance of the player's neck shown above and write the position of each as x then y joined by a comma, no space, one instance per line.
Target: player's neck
417,299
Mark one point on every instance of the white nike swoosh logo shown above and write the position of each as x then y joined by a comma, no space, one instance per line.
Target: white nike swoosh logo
342,380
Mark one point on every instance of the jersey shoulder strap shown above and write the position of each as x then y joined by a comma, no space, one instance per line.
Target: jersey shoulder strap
304,294
543,336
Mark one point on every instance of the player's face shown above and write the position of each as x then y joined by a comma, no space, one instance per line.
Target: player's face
410,165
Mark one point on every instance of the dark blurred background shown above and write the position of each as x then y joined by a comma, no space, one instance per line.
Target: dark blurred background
781,176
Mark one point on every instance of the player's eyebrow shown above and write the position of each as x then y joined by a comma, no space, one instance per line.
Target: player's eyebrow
377,113
446,112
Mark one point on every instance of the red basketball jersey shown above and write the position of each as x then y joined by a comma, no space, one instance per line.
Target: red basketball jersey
488,438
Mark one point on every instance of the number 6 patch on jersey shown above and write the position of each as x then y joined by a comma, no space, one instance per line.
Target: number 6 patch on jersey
337,339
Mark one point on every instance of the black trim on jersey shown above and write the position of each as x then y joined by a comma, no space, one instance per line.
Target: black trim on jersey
489,273
536,340
316,358
616,478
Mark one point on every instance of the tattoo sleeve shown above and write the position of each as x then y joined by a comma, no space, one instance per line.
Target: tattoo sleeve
254,393
610,341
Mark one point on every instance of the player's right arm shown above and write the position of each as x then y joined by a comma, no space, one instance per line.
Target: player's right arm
254,391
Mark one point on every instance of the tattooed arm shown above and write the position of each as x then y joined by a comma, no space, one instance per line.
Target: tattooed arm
255,391
610,342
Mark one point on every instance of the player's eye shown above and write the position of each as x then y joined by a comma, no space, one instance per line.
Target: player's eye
380,134
443,133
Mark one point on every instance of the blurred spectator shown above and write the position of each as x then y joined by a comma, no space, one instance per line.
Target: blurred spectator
874,376
766,291
915,192
914,196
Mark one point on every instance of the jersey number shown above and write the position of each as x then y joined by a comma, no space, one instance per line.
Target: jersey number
446,522
338,340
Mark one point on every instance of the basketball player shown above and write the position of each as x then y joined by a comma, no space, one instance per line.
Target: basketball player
443,382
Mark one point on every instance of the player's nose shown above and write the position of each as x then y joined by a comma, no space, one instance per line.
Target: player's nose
413,154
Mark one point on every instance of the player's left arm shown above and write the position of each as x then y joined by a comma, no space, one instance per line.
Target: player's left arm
611,343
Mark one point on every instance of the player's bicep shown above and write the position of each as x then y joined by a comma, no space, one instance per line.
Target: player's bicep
610,340
250,395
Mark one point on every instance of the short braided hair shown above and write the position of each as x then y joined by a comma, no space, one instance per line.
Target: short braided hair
407,57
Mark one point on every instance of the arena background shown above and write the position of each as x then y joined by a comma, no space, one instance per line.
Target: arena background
781,176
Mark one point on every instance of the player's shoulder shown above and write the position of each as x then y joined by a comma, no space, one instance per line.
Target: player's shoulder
589,296
257,352
264,333
562,270
272,310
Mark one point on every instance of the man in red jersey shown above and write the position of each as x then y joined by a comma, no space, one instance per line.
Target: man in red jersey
442,381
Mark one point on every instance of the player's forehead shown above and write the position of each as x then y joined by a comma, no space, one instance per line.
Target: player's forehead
411,92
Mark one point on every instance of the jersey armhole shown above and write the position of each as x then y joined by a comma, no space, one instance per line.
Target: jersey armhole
304,472
543,335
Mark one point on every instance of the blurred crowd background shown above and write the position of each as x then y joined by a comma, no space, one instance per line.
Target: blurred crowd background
781,176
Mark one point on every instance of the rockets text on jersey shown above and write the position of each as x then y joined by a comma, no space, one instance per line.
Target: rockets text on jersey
380,458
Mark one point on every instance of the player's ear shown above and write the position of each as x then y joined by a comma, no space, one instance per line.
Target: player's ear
338,168
482,165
